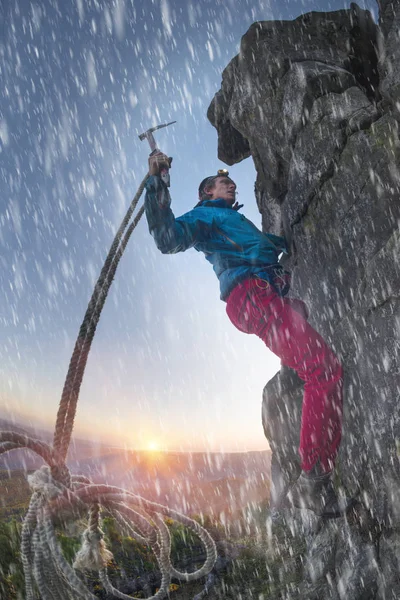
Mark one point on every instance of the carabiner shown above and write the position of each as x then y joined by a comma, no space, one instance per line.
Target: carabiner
262,287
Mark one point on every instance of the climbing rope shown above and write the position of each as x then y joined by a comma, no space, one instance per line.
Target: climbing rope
56,494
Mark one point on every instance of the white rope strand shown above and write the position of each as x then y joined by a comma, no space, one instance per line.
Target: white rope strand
28,529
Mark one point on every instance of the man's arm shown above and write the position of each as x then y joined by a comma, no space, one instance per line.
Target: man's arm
171,235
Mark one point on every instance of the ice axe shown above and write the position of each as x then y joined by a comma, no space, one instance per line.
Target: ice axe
148,135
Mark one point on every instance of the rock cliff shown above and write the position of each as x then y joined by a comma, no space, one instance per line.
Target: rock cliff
316,103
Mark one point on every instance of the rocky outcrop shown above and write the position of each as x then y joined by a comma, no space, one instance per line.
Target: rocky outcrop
316,103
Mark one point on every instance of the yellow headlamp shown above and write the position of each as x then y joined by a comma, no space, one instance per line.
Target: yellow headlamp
208,180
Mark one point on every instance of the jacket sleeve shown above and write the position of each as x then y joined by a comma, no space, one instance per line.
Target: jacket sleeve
170,234
279,242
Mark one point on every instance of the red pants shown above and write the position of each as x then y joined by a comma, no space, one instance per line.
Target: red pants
254,307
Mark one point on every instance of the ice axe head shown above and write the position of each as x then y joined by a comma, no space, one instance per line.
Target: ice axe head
148,135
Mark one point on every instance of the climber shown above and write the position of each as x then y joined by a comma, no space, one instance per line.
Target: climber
254,286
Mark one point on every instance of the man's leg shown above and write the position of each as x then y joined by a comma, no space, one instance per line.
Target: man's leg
255,308
300,347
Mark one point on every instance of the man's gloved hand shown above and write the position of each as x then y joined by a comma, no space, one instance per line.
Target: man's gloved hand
158,161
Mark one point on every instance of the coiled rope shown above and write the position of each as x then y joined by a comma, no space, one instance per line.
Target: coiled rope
56,493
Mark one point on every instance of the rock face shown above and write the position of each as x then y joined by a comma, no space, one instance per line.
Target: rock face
316,103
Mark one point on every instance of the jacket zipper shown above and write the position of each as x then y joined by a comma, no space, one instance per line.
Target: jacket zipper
234,244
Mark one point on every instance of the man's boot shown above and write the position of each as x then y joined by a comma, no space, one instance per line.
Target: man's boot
314,491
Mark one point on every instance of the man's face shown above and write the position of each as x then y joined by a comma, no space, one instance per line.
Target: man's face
223,188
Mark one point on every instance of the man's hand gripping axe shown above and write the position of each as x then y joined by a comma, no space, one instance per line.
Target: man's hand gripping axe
148,135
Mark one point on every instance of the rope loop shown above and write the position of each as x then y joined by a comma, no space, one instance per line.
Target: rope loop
55,490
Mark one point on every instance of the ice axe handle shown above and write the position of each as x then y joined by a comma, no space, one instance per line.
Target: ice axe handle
164,171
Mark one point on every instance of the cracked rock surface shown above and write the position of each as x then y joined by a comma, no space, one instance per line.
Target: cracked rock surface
316,103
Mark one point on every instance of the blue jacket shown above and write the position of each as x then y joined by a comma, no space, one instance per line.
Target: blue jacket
234,246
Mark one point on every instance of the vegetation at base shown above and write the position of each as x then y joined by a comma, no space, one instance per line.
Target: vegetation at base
269,568
14,494
262,558
11,571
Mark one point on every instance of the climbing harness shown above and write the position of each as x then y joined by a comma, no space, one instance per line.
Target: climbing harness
276,277
58,493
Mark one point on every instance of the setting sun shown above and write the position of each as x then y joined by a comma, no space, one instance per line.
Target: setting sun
153,446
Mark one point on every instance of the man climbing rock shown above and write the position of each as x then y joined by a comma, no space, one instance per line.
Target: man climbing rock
254,286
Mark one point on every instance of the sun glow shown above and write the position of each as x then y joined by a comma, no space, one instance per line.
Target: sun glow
153,446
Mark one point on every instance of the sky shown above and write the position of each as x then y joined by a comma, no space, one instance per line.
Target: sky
80,81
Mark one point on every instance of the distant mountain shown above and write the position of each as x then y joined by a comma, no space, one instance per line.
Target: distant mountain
192,482
8,425
27,460
22,459
189,481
